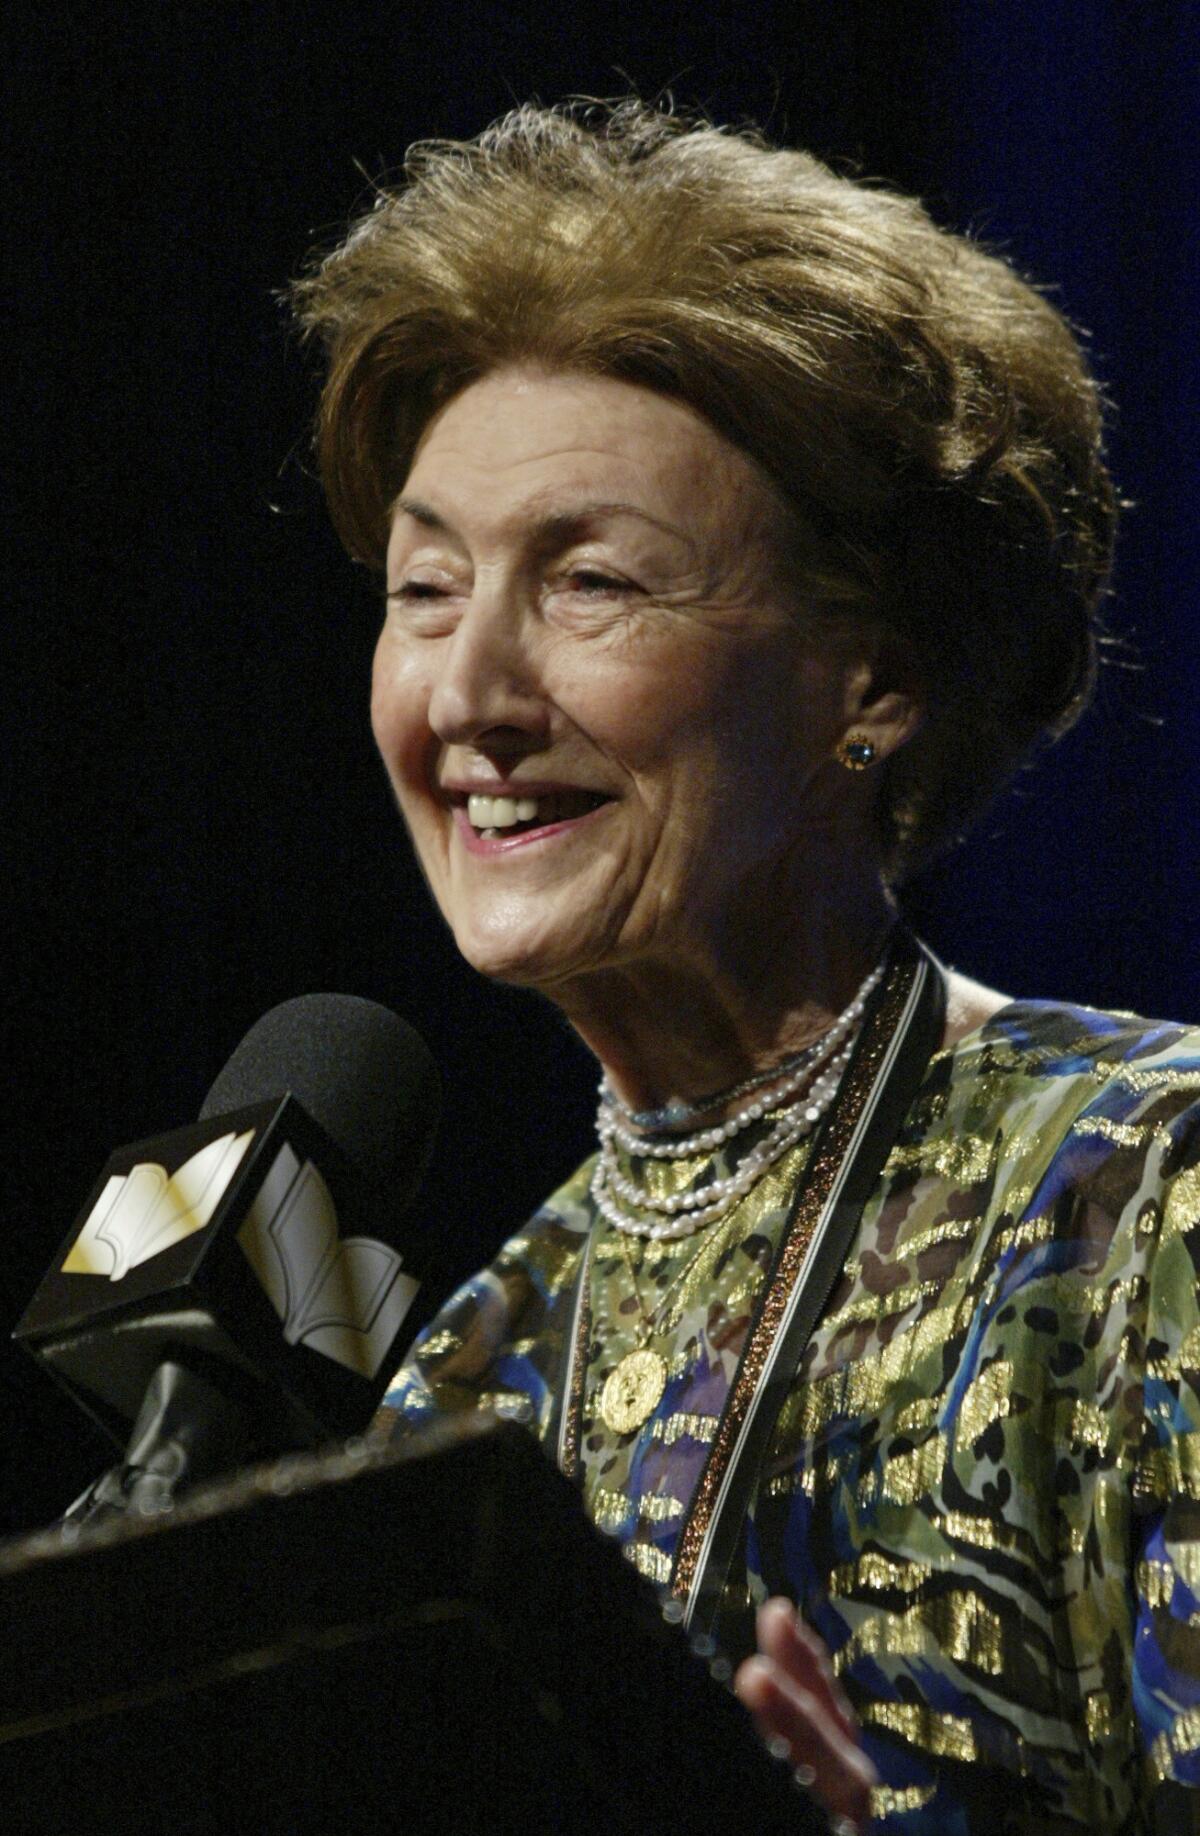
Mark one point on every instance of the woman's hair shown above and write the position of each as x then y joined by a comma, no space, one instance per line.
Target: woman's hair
927,417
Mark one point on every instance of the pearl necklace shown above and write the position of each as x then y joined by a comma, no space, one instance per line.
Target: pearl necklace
676,1114
805,1090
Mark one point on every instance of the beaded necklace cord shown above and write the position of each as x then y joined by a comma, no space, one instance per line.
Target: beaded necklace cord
654,1322
678,1114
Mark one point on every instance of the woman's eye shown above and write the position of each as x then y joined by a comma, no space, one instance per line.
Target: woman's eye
590,581
413,589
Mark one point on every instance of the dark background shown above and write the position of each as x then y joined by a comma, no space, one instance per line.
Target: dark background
194,824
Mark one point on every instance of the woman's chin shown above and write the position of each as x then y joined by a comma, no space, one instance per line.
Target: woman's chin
520,960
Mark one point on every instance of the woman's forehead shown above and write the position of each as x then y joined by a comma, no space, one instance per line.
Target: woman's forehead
552,448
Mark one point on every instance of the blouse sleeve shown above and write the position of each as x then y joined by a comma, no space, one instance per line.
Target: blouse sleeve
1166,1479
453,1362
498,1342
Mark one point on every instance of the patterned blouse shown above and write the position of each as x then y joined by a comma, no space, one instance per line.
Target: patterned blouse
983,1487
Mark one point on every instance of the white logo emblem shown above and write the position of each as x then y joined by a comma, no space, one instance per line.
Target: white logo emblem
142,1213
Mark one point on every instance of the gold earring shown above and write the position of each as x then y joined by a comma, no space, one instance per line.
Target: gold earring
856,752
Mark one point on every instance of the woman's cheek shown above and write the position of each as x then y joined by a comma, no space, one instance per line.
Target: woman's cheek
399,702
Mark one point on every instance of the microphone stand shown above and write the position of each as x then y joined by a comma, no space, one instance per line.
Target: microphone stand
186,1430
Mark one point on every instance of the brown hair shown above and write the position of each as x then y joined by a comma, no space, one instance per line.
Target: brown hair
927,416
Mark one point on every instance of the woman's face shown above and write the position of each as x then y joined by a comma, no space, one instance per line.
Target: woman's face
586,621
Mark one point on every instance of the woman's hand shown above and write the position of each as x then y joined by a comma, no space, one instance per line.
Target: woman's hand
791,1691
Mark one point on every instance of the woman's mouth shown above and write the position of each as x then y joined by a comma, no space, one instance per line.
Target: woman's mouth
504,819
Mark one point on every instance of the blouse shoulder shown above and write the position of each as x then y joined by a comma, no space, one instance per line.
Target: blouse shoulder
1064,1036
1067,1059
1053,1098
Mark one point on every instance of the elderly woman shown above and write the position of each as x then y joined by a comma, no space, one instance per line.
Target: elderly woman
743,532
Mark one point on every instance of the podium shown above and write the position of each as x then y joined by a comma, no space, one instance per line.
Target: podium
429,1638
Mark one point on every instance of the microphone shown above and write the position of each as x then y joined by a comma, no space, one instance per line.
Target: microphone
242,1286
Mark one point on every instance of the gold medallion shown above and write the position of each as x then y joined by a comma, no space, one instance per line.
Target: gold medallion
632,1390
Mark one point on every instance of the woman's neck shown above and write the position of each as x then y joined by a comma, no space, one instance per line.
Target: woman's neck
704,1019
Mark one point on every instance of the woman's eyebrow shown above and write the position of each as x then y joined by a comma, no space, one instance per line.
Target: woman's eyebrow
554,526
420,513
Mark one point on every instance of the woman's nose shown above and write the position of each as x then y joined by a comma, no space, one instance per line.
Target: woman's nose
486,680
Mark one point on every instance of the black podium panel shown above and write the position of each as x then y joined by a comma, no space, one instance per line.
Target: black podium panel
428,1639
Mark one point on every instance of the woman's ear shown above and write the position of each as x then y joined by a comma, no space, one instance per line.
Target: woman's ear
884,707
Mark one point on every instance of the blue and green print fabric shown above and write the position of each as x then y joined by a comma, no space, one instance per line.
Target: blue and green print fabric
983,1487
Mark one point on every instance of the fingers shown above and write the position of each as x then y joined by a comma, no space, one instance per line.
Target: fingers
799,1708
795,1647
788,1715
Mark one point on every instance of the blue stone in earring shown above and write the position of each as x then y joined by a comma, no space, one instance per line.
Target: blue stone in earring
856,752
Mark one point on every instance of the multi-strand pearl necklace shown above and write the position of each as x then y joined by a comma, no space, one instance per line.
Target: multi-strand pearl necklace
801,1091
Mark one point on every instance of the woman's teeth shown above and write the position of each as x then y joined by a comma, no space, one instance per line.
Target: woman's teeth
500,812
491,816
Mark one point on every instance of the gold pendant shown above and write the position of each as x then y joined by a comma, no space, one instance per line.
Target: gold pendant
632,1390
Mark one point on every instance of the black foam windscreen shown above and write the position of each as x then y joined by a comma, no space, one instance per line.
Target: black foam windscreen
364,1075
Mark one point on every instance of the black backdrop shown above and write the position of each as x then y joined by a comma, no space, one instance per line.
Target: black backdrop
194,824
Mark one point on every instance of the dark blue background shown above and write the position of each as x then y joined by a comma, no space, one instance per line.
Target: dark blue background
195,826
